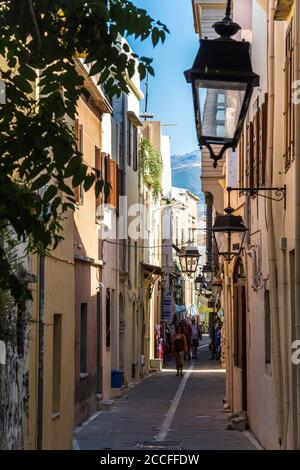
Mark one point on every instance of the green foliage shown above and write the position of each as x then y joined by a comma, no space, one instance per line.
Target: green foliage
151,167
40,164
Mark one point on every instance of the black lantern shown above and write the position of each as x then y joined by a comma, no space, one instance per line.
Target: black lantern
229,234
198,283
208,271
222,82
189,258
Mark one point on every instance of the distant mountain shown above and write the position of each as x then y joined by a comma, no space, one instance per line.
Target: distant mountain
186,172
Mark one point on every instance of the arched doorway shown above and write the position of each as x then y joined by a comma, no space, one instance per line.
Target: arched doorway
121,332
240,327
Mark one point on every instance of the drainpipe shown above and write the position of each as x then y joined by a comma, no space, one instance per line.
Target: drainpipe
276,353
297,211
41,352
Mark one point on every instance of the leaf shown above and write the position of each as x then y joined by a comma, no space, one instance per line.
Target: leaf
155,36
107,189
73,166
88,182
49,194
99,187
79,177
66,189
27,72
40,182
22,84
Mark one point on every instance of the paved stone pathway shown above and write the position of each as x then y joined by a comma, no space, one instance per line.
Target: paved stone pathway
181,412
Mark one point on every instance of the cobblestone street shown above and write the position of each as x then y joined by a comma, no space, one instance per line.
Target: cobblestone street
175,412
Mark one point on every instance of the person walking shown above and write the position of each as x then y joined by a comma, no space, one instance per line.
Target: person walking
195,337
179,349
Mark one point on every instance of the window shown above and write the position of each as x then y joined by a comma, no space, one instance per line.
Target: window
241,161
267,328
98,170
135,148
263,137
289,107
221,98
256,150
129,141
108,332
78,191
249,155
56,362
83,338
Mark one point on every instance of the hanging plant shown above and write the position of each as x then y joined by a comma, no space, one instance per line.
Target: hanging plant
151,167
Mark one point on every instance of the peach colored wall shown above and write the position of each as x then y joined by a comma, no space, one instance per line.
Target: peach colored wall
87,275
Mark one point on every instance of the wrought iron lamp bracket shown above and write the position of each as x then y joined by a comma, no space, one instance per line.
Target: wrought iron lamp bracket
280,193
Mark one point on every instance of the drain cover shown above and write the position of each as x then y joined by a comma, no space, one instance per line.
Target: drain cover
156,445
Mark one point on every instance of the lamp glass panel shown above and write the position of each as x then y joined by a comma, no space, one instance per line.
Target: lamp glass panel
236,242
183,262
220,105
222,241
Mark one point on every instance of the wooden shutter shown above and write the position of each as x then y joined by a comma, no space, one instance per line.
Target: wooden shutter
263,138
241,161
106,173
249,156
98,168
256,150
113,182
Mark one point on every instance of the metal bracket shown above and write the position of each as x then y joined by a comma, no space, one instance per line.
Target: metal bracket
280,193
213,156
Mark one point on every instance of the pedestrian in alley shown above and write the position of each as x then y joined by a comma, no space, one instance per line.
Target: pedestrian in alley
195,337
186,329
180,349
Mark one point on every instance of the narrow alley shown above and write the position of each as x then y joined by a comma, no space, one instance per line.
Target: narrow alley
168,412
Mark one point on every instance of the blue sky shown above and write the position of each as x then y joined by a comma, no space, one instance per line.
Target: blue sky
170,97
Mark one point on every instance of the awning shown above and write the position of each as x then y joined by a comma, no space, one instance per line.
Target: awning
151,269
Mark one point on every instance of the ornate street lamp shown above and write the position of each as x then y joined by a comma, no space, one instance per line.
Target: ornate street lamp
222,82
189,258
208,271
229,233
199,283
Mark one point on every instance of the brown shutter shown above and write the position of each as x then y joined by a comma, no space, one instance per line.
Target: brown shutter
249,156
263,137
241,160
105,173
98,168
256,150
113,182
